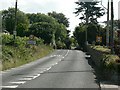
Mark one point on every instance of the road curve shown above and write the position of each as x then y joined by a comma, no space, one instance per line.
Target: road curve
61,69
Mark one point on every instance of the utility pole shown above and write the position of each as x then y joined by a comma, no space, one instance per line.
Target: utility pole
107,32
112,32
14,32
87,19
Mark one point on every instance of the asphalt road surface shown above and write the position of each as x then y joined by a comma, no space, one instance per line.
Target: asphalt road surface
61,69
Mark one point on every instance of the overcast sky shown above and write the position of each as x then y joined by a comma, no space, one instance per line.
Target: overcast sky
66,7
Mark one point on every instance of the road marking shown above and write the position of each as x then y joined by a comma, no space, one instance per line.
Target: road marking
51,56
20,82
36,76
29,76
67,53
56,63
14,86
48,68
25,79
60,60
41,71
108,86
88,56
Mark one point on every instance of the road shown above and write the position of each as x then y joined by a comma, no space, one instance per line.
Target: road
61,69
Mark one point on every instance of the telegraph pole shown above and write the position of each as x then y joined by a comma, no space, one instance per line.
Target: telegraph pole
14,32
107,32
86,40
112,32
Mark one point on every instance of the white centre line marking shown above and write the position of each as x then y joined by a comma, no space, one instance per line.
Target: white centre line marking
36,76
48,68
25,79
60,60
56,63
67,53
15,86
20,82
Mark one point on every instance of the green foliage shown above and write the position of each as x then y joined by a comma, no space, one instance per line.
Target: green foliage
60,17
93,30
90,10
101,49
108,60
43,30
7,39
60,45
50,28
79,35
21,53
35,18
8,21
47,28
19,41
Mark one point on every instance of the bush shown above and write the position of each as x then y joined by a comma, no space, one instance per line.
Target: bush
13,56
19,41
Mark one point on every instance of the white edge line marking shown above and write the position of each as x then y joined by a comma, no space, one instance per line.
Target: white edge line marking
20,82
15,86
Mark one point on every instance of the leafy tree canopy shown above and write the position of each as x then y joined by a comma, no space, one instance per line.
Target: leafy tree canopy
8,21
34,18
89,10
60,17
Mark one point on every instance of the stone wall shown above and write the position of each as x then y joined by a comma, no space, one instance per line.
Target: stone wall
98,59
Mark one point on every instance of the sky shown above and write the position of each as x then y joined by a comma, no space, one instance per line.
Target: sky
66,7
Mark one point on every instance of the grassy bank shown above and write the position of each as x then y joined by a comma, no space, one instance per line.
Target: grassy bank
14,55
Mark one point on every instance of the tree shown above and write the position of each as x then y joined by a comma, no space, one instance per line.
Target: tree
48,28
79,35
60,17
42,30
8,20
92,31
90,11
39,17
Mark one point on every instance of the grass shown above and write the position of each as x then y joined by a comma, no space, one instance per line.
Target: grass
101,48
109,59
17,56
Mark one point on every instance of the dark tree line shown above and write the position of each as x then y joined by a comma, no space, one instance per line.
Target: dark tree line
52,28
89,12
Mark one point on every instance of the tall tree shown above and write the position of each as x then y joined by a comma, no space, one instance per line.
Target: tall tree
89,11
8,20
47,28
60,17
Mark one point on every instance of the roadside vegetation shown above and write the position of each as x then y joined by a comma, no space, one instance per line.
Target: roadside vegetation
18,52
51,27
108,60
49,31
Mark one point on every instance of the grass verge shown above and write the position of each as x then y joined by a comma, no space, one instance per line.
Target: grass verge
17,56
